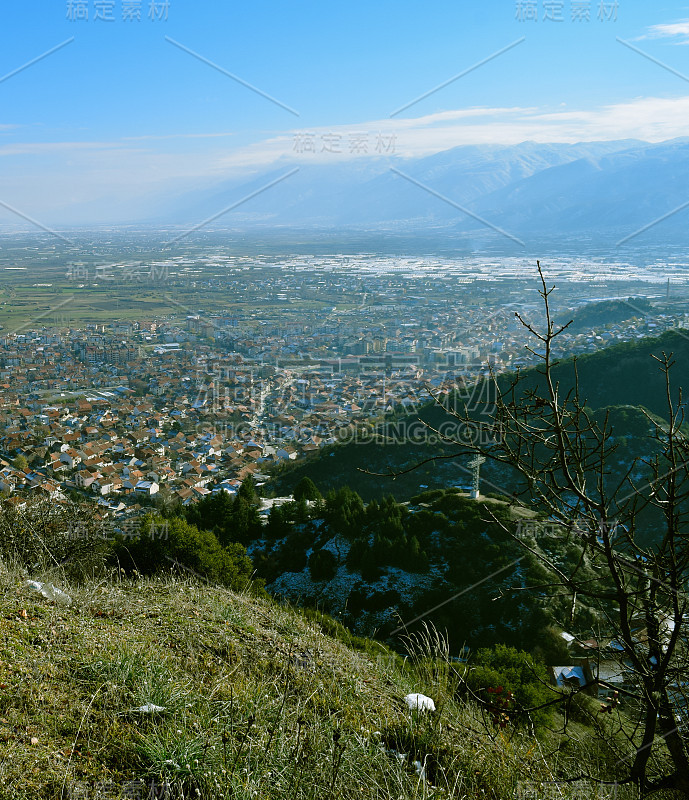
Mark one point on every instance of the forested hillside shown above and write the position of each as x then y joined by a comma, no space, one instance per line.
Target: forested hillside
623,379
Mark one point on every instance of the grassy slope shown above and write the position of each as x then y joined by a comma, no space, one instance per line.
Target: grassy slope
259,703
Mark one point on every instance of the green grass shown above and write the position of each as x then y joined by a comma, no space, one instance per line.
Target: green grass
260,701
66,303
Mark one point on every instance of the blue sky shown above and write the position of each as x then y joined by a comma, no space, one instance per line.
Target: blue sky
124,109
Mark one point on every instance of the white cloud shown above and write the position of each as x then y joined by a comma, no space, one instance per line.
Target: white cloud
47,177
671,30
177,136
651,119
45,148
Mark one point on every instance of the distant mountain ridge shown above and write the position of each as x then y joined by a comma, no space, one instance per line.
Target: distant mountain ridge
604,188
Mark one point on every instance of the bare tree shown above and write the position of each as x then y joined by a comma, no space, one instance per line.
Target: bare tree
563,453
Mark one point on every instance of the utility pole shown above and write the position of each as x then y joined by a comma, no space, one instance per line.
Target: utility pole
475,466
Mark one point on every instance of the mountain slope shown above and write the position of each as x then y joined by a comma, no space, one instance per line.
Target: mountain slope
609,378
366,192
171,688
619,193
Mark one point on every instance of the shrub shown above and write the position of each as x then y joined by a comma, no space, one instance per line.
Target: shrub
322,565
495,672
163,544
379,601
551,648
292,555
344,511
306,490
231,520
46,535
370,571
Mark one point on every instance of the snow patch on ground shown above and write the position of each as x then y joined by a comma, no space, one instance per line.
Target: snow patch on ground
335,593
294,585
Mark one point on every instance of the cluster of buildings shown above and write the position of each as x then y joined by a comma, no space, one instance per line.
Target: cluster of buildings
193,401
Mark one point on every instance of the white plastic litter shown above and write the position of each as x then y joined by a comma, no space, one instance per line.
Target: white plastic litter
419,702
402,758
50,592
150,708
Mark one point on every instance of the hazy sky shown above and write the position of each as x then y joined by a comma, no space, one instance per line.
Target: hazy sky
124,108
